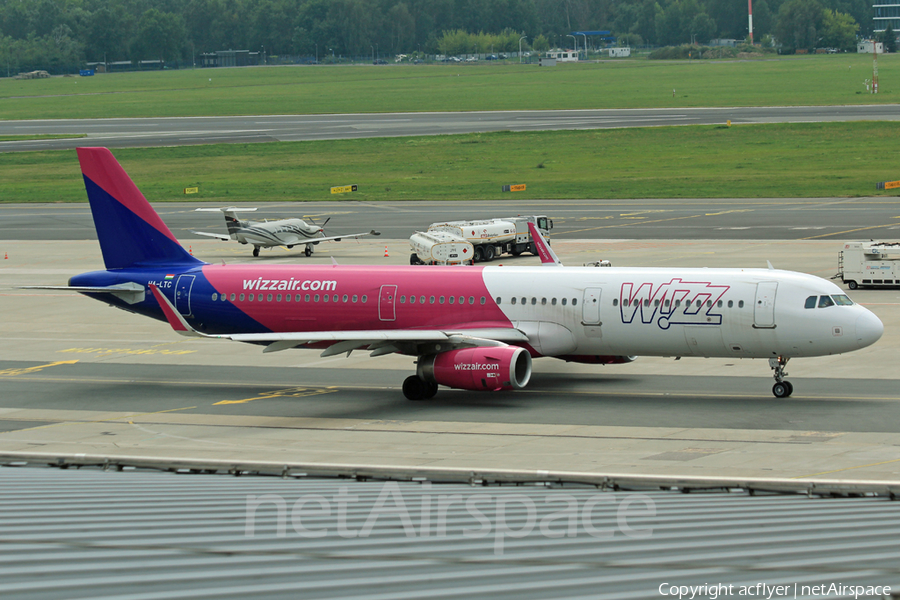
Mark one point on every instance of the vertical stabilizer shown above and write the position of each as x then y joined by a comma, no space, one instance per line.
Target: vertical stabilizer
548,256
131,234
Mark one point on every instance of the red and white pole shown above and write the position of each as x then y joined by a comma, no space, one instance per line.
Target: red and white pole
750,16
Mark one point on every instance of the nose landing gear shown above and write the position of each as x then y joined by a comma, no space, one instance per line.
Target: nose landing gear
782,388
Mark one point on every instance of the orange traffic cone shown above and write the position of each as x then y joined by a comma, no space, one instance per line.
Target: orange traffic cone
385,252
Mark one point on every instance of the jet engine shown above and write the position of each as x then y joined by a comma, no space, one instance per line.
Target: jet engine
482,368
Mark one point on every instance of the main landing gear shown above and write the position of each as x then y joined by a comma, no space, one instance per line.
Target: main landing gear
416,389
308,252
255,250
782,388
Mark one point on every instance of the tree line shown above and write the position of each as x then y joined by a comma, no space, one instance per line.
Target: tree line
54,34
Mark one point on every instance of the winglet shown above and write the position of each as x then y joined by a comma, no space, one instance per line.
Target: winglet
548,256
173,316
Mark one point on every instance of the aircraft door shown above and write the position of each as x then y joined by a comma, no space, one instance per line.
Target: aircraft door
590,307
183,294
387,303
764,306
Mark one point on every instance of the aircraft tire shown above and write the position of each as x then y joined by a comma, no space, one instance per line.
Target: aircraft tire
415,389
255,250
308,251
782,389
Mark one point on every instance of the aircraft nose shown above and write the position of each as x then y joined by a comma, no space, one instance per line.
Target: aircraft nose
868,329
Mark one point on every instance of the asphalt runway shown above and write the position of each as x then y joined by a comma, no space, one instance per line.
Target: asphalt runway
77,377
119,133
672,219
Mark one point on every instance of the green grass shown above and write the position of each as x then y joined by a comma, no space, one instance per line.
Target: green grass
780,160
774,81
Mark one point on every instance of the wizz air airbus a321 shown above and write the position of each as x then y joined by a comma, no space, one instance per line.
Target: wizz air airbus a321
473,328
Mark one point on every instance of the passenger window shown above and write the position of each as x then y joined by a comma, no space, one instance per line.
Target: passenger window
514,300
441,300
316,298
232,297
325,298
242,297
344,298
402,299
287,297
615,301
825,301
452,299
364,298
462,300
335,298
811,302
306,298
269,298
533,301
574,301
278,298
472,300
483,300
731,304
250,298
564,300
667,303
740,304
656,302
412,299
647,302
543,301
524,300
431,299
215,297
719,304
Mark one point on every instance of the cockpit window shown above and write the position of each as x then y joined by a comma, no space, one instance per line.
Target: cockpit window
842,300
825,301
811,302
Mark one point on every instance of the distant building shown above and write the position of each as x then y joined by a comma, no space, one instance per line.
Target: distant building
868,47
563,55
887,13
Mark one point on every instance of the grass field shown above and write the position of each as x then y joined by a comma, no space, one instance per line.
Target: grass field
781,160
774,81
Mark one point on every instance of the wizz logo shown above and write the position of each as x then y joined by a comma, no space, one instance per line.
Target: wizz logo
674,303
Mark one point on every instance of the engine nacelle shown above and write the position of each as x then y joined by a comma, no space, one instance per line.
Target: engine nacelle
482,368
591,359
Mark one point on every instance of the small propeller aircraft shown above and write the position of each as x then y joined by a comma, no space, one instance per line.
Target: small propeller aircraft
279,232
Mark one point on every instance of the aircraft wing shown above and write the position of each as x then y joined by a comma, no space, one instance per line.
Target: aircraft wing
379,341
338,238
218,236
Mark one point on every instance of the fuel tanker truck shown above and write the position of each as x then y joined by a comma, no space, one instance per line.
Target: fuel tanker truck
439,248
491,238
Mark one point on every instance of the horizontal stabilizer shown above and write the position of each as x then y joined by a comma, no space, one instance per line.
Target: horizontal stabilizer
218,236
131,293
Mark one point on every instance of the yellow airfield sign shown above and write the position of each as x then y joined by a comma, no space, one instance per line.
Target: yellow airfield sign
343,189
